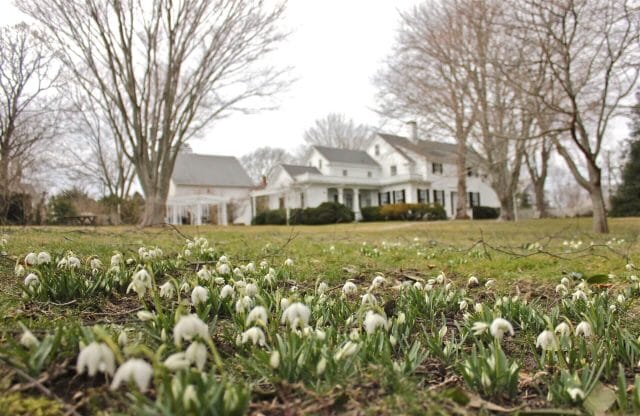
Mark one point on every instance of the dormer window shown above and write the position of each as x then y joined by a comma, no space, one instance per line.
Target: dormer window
377,150
394,170
436,168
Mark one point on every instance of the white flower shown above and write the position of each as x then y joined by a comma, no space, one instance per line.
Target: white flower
226,291
123,339
167,290
251,289
19,270
197,354
204,274
258,315
223,259
378,281
321,366
29,340
243,304
368,298
250,267
463,305
146,316
73,262
584,329
579,294
629,266
177,361
199,295
136,370
563,329
31,280
284,303
620,298
575,393
274,360
547,341
44,258
499,327
490,283
473,281
264,265
288,262
140,282
373,321
320,334
347,350
188,327
296,315
562,289
96,357
31,259
255,335
95,264
565,281
185,287
401,318
224,268
322,288
116,260
349,288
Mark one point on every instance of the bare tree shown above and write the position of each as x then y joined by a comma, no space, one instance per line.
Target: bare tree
163,70
336,130
427,75
591,50
28,76
260,163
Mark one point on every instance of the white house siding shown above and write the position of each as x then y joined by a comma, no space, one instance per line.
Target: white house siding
237,196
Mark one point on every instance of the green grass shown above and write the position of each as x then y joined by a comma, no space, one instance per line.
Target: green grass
527,257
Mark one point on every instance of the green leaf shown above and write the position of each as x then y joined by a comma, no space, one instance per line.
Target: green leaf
598,278
457,395
599,400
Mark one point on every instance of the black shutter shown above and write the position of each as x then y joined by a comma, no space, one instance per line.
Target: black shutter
404,196
379,199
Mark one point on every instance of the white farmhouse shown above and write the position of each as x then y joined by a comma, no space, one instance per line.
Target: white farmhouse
209,189
393,169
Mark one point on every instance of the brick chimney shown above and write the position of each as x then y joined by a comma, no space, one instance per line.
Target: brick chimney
413,131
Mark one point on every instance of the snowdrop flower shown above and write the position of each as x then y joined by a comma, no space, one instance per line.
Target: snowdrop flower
188,327
296,315
620,298
140,282
322,288
31,280
224,268
95,264
185,287
31,259
378,281
288,262
258,315
123,339
321,366
565,281
320,334
274,360
44,258
204,274
238,272
563,329
167,290
440,278
250,267
29,340
368,298
146,316
575,393
251,289
264,265
243,304
473,281
562,289
349,288
116,260
490,283
284,303
373,321
255,335
219,281
96,357
547,341
227,291
448,287
177,361
19,270
579,295
346,351
197,354
401,318
136,370
199,295
463,305
612,308
584,329
499,327
629,266
73,262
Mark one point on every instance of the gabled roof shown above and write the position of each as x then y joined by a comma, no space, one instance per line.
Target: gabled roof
355,157
438,151
210,170
295,170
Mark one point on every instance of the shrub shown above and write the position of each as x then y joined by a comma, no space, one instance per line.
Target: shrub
272,217
485,213
412,212
325,213
371,214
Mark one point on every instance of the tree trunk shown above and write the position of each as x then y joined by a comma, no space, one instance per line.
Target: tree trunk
507,209
155,208
541,206
600,224
461,203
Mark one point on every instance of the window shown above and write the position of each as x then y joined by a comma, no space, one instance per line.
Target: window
384,198
436,168
469,172
423,196
398,197
301,199
344,172
438,197
319,163
369,174
394,170
473,199
377,150
281,202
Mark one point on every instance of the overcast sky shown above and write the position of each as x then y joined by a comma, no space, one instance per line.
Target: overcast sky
335,49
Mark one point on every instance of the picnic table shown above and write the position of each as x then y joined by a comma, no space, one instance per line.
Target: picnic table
88,219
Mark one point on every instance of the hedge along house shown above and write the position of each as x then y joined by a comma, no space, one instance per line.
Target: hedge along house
392,170
209,189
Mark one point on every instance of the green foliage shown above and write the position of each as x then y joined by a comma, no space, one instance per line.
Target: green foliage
325,213
485,213
131,208
404,212
271,217
626,201
489,371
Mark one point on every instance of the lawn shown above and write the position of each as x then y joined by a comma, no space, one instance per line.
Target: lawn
379,318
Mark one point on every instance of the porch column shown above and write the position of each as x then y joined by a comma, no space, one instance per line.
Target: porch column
356,204
198,216
224,220
174,214
341,195
254,208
